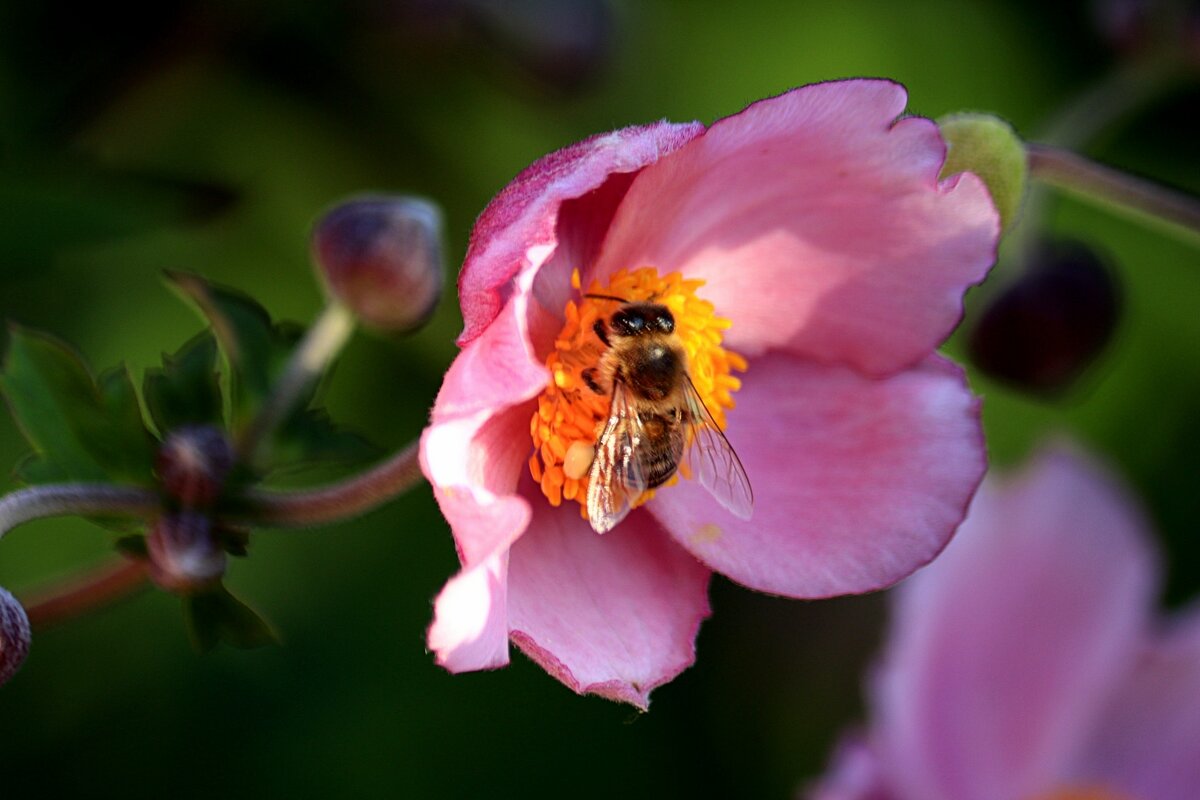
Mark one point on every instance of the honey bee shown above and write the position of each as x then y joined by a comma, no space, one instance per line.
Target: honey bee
656,419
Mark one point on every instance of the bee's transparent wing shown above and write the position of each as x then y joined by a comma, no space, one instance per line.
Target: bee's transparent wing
616,480
710,459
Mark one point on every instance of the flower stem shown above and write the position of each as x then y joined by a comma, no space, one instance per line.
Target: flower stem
1115,98
338,501
312,356
1111,188
97,587
54,500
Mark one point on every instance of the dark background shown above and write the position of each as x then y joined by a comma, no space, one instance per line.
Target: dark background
208,136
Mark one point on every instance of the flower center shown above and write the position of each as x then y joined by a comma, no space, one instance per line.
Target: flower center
571,414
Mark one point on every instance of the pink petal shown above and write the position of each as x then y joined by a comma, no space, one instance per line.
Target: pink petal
501,367
857,481
470,617
1004,649
473,464
1148,742
613,615
819,225
517,229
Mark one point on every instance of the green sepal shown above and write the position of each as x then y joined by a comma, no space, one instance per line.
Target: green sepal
81,428
254,348
989,147
214,616
186,389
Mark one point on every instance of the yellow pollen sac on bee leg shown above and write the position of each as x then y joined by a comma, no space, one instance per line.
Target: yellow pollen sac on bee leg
578,459
570,414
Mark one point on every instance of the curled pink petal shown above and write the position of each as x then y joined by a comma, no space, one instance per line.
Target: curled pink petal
1004,649
474,471
470,617
613,615
819,225
1147,743
857,481
517,229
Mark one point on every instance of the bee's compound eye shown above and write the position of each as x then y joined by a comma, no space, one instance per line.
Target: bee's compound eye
628,323
665,322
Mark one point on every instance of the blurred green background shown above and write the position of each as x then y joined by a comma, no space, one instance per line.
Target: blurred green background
207,137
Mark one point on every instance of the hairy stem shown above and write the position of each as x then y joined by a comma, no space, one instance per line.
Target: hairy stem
343,500
62,499
1111,188
85,592
312,356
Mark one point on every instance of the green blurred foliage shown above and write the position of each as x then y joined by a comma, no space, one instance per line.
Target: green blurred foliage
206,138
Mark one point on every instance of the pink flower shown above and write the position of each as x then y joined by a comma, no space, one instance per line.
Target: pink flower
1026,663
806,241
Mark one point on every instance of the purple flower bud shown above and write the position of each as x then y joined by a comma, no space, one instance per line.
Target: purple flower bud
381,257
184,554
1042,331
14,635
192,464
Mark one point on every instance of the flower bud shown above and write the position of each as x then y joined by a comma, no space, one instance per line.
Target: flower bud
14,635
184,554
1042,331
381,257
192,464
989,147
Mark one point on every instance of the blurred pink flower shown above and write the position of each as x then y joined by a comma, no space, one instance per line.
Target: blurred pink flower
1027,663
815,224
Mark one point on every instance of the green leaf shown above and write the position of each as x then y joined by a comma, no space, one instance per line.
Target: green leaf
257,351
127,446
255,348
80,429
186,389
217,616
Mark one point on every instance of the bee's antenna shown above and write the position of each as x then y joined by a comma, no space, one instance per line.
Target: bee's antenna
606,297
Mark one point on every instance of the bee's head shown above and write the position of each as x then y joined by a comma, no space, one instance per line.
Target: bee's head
636,319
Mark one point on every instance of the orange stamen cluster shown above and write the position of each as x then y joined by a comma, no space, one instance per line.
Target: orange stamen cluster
568,411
